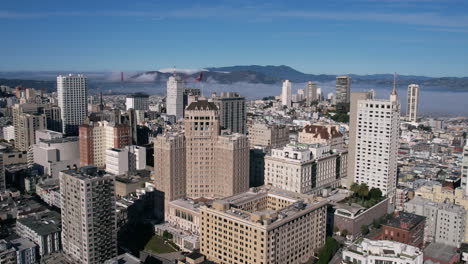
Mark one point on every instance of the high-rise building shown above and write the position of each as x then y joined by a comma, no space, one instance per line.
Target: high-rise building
54,119
412,103
72,92
268,135
169,165
97,137
311,92
137,101
343,91
2,174
89,226
464,169
232,111
175,97
376,143
265,225
214,162
353,121
286,98
27,119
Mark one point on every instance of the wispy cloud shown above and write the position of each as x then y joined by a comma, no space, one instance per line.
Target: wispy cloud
252,14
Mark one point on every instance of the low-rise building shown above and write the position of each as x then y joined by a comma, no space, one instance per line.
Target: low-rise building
263,225
124,160
25,251
325,134
382,251
274,136
405,228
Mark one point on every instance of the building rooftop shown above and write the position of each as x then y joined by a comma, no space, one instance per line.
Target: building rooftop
202,105
323,132
406,221
42,223
138,95
22,243
85,172
442,252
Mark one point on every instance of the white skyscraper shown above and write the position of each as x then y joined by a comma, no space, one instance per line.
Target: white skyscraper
413,103
376,142
175,97
286,94
72,93
311,92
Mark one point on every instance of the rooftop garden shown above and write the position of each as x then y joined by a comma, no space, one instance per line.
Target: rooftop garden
363,196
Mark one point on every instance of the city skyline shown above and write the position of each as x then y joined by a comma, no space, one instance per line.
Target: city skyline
419,37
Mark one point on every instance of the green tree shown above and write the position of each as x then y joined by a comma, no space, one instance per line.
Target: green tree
364,229
327,251
354,187
363,190
376,223
375,193
167,235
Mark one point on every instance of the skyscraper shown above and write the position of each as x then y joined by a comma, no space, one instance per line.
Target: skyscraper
343,89
412,103
89,226
464,169
72,91
27,119
311,92
137,101
175,97
232,111
355,98
286,98
376,143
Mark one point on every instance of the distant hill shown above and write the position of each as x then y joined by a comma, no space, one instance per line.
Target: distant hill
37,84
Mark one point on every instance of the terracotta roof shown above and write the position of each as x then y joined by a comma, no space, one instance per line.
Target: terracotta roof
202,105
323,132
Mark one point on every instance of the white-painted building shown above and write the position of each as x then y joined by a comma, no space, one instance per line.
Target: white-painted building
286,97
72,93
381,252
175,97
55,155
137,101
412,103
376,143
120,161
9,133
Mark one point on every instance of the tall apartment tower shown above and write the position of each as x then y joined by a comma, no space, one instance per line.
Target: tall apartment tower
175,97
232,111
169,165
89,227
201,132
376,143
27,119
343,89
311,92
464,169
97,137
286,98
2,174
137,101
413,103
72,91
353,121
217,166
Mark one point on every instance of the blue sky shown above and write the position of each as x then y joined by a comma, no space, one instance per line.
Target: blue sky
423,37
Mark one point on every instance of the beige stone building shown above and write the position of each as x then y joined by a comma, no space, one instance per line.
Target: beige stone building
305,168
326,134
268,135
27,119
263,226
169,165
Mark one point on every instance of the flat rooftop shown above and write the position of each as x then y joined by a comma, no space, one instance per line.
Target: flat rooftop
406,221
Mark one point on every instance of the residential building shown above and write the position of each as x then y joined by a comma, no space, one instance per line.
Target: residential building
376,143
9,133
412,103
169,165
56,154
343,90
445,222
382,251
27,119
89,231
268,135
405,228
175,97
43,229
311,93
25,251
464,169
353,123
7,252
137,102
257,167
97,137
286,98
72,93
123,160
217,166
264,225
325,134
305,169
232,111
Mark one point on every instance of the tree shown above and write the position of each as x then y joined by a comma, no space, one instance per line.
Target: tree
327,251
167,235
336,229
364,229
354,187
375,193
376,223
363,190
344,233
